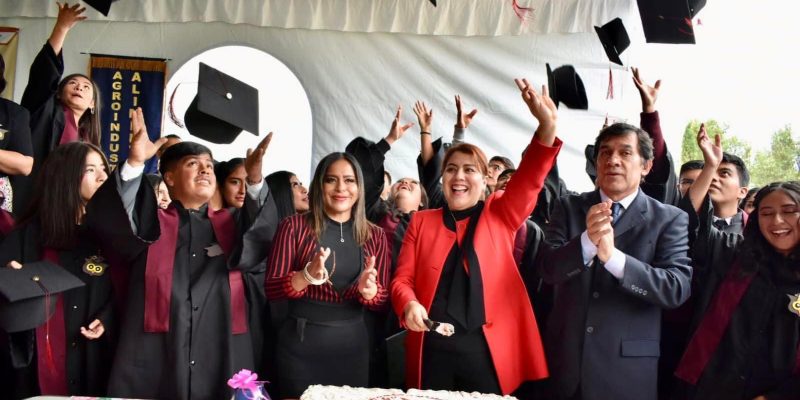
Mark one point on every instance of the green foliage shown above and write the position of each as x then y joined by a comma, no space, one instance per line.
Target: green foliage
779,163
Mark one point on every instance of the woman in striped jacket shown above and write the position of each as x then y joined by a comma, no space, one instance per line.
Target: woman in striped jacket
330,263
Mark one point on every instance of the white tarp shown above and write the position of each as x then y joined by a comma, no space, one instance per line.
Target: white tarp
450,17
355,80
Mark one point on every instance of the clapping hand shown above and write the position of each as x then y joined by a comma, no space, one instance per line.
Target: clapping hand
367,282
317,268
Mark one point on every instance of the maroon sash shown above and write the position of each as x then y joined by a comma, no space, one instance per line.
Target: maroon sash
715,322
6,222
161,260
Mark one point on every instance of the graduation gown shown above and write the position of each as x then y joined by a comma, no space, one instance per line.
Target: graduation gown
757,353
87,361
46,116
200,349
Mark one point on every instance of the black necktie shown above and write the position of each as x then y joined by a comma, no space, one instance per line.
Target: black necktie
616,211
721,224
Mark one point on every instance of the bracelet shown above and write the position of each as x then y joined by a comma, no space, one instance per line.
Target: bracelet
310,279
425,133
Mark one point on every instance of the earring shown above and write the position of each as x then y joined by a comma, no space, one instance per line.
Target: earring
91,110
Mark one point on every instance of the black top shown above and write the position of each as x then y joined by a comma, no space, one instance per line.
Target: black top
344,250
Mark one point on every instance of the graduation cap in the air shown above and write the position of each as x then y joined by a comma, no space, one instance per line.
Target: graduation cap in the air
565,86
28,295
667,21
222,108
103,6
614,38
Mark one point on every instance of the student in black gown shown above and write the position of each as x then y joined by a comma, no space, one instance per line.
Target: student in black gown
185,330
62,110
745,344
53,229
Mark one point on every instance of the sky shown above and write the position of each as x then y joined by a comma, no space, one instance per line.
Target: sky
743,71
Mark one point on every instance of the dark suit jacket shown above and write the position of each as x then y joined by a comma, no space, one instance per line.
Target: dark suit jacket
603,333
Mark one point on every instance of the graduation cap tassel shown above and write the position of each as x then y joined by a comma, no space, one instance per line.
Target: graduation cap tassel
610,93
48,347
523,13
172,115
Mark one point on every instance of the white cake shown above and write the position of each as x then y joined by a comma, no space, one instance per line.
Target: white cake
320,392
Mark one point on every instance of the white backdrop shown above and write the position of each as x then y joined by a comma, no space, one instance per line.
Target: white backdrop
355,80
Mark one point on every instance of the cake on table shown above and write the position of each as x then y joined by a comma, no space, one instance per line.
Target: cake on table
321,392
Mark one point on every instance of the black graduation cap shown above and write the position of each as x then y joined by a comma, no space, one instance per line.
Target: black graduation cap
103,6
222,107
614,38
695,6
667,21
565,86
23,294
433,2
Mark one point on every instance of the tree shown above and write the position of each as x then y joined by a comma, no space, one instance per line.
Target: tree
779,163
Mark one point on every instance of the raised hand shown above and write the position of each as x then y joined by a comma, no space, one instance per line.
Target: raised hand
424,116
463,120
142,149
398,129
712,152
542,108
367,282
649,94
255,159
94,331
68,16
414,316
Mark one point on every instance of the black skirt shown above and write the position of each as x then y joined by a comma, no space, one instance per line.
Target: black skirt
322,344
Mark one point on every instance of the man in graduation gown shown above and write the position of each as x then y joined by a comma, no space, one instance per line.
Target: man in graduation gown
184,331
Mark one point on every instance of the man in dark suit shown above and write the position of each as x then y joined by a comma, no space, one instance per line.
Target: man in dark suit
617,258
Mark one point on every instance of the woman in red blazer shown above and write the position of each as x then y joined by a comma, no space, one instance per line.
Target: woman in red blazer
457,266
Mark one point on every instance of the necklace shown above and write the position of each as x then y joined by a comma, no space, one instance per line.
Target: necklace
341,233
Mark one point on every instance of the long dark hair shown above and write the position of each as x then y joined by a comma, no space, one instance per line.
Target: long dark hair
316,214
756,252
89,123
223,170
56,200
280,187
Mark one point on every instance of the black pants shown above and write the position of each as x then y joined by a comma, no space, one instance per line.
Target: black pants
468,370
312,352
